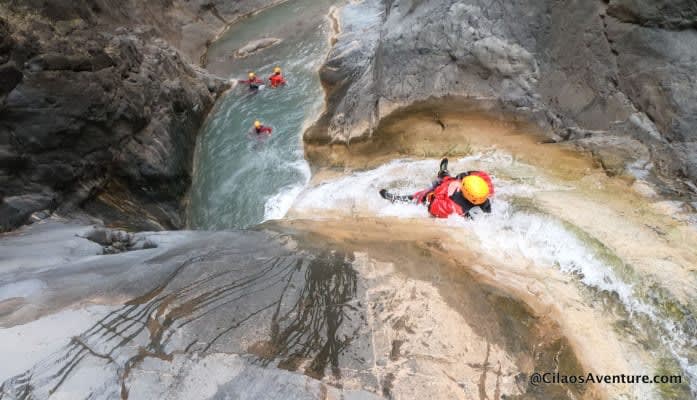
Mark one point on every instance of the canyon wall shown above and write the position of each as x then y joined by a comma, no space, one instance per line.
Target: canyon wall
606,75
100,105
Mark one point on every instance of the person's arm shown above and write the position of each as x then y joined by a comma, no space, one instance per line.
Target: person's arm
266,129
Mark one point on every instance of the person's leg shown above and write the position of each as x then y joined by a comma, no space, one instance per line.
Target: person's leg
394,197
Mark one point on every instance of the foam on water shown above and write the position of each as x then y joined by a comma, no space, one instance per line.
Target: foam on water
359,192
506,234
278,205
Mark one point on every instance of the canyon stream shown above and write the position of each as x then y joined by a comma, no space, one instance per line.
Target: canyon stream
298,281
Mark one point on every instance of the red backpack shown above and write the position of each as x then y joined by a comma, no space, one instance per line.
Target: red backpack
441,205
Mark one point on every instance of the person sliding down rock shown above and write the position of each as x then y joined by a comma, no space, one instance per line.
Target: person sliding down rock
254,82
260,129
277,79
452,195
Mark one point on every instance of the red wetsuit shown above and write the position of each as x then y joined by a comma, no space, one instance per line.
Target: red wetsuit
277,80
253,83
263,129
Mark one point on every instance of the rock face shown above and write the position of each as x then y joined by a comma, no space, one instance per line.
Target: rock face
669,14
253,315
577,68
99,112
255,46
188,25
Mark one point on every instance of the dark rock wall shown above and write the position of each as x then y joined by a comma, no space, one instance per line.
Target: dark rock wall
99,110
669,14
579,68
188,25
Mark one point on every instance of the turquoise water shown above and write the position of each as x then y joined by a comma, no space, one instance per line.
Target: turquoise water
241,180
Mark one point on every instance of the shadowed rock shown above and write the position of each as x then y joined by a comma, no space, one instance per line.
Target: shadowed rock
101,106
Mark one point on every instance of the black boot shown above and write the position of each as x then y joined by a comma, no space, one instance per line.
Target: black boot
443,170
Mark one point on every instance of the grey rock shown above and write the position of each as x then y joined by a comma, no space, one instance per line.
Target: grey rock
348,74
89,111
255,46
617,154
10,76
188,25
670,14
101,106
572,67
15,210
249,315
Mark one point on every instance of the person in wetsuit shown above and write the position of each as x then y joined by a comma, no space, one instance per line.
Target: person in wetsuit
277,78
254,82
261,129
452,195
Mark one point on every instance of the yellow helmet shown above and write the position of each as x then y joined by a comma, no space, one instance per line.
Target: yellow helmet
257,124
475,189
277,70
252,75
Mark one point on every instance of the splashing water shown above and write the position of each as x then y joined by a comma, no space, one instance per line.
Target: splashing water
508,234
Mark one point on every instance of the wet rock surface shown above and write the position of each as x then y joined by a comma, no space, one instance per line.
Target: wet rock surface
588,66
117,241
252,313
256,46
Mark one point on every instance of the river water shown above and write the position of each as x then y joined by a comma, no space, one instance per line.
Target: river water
241,180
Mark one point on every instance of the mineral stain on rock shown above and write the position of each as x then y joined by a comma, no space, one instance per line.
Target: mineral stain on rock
309,330
299,303
394,353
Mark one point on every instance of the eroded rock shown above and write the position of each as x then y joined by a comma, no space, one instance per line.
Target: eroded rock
670,14
570,67
256,46
87,111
